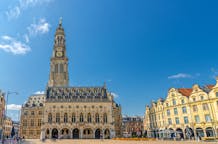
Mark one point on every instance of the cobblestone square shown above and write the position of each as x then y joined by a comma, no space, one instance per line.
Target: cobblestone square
93,141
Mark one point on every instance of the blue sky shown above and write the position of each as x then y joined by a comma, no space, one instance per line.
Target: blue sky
139,48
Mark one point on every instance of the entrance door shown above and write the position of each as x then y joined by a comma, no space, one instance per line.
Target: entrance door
55,133
97,134
75,134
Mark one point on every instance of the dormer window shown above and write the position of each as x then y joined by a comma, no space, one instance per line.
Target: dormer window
194,99
182,101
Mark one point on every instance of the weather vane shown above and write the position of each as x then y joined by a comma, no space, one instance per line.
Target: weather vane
60,21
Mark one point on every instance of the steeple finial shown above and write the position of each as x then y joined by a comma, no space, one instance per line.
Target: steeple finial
60,21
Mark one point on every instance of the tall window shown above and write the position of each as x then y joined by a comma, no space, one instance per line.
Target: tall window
168,112
205,106
65,118
182,101
32,122
105,118
56,68
197,119
73,118
184,110
216,94
195,108
81,117
39,122
169,121
32,112
207,118
175,111
89,118
174,102
97,118
177,120
24,122
186,120
49,118
57,117
61,68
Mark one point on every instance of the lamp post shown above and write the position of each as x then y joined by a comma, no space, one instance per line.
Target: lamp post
5,116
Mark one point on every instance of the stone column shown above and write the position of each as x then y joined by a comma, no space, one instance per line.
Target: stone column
205,134
71,133
59,133
103,134
50,133
94,133
81,134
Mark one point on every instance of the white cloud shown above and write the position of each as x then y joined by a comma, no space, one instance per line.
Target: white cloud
10,44
180,75
41,27
114,94
13,13
13,107
16,11
14,115
39,92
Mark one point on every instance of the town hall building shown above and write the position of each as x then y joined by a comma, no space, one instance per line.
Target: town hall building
69,112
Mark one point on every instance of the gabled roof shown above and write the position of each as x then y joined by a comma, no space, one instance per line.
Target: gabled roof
185,91
210,86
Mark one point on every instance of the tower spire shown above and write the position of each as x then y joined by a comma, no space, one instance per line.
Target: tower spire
59,61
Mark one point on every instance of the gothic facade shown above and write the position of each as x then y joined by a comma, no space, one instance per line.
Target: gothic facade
73,112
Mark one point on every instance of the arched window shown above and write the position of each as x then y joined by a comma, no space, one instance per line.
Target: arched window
105,118
97,118
89,118
65,118
57,117
81,117
73,118
49,118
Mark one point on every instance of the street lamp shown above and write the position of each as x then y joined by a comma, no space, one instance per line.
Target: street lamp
8,93
5,116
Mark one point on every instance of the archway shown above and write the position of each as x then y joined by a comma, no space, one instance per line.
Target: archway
87,133
209,132
189,132
65,133
171,133
179,133
47,133
200,132
97,134
54,133
107,134
76,133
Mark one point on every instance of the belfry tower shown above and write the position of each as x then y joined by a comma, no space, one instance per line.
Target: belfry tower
59,62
